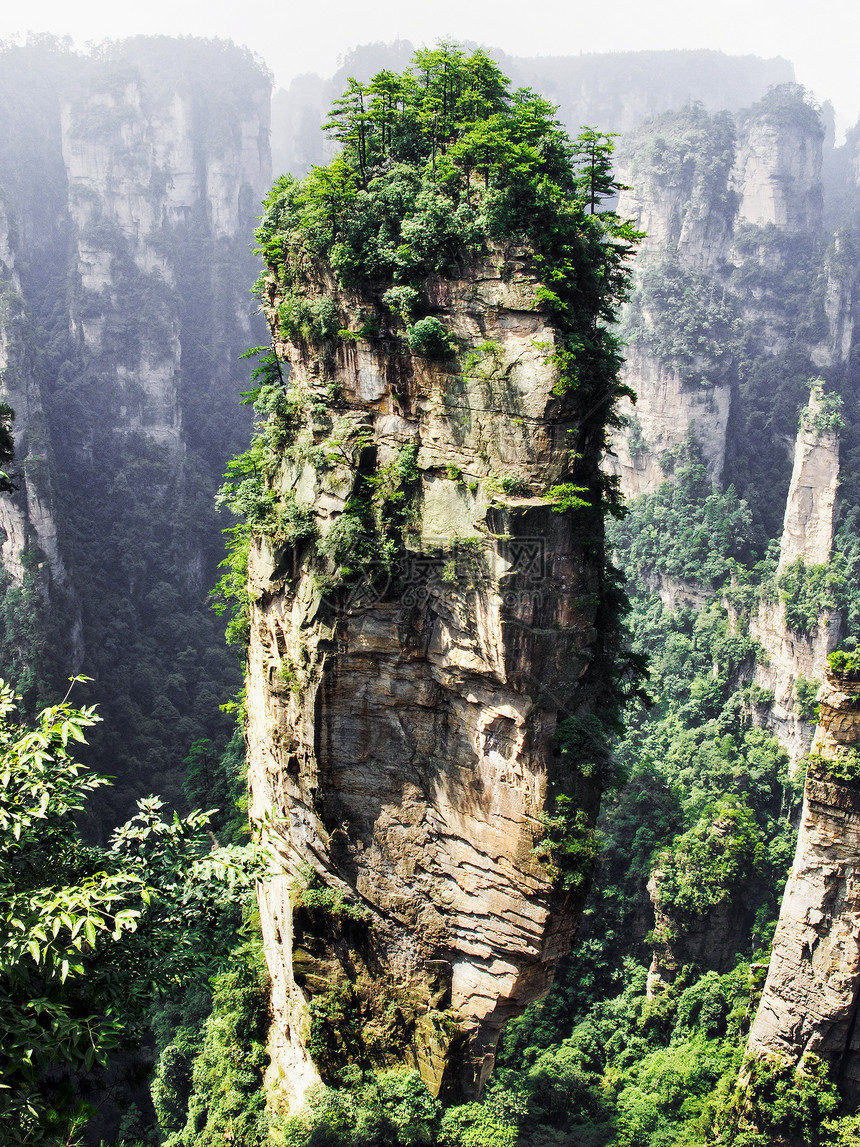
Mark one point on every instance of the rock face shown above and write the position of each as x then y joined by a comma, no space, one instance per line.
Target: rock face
808,537
26,520
810,998
666,410
129,180
719,197
711,941
400,723
777,172
142,170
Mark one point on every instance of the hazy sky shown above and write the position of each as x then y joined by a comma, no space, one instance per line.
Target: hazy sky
821,39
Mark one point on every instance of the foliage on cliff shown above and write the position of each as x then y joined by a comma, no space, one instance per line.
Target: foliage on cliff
437,163
88,936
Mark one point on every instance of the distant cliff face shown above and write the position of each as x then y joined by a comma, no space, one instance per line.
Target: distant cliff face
730,206
807,540
809,1003
401,724
777,171
150,171
26,520
130,184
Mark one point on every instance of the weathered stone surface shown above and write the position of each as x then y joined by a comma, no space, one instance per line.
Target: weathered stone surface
807,534
840,290
809,514
810,998
777,174
666,411
790,655
406,762
136,169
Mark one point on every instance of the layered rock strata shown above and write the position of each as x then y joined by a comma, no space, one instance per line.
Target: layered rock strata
809,1005
401,719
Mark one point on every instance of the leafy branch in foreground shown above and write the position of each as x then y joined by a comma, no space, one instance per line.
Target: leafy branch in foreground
88,935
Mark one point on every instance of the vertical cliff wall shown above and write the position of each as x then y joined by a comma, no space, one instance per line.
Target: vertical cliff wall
807,539
26,520
810,998
729,204
401,727
158,164
131,179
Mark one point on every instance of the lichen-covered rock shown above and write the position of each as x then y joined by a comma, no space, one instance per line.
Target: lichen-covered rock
401,715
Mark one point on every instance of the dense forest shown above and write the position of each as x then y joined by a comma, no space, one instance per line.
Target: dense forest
133,984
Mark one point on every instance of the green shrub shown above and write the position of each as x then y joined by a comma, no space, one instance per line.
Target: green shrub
710,861
806,692
845,767
845,663
402,300
807,592
428,337
226,1099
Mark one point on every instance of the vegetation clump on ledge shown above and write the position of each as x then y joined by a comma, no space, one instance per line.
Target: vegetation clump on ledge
438,165
845,664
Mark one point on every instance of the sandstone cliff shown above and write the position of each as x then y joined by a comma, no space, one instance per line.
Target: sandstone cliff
722,200
807,537
810,998
130,180
400,723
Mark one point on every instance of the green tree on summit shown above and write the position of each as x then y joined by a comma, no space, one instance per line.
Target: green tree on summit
592,157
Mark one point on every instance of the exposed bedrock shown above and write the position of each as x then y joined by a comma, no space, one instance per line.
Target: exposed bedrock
810,998
401,723
807,537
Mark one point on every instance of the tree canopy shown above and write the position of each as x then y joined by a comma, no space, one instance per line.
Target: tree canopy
436,165
89,935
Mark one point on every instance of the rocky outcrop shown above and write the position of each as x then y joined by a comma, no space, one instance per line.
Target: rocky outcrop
810,998
665,413
142,175
711,941
810,511
790,657
807,537
840,288
401,718
777,172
